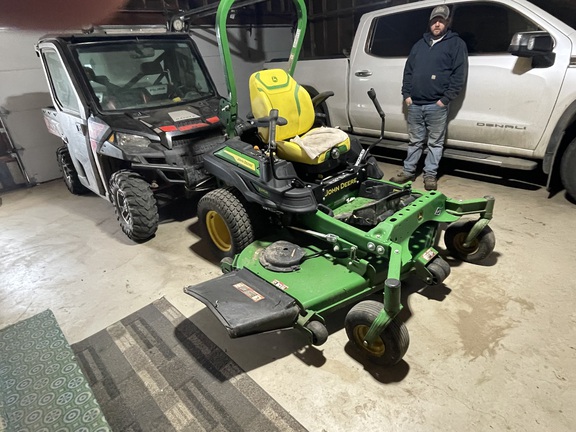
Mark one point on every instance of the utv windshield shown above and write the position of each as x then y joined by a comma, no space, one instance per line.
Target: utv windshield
143,75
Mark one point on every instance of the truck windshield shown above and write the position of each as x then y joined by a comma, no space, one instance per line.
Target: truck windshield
140,75
559,9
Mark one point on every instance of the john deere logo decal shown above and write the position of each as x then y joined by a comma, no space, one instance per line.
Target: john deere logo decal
340,187
241,161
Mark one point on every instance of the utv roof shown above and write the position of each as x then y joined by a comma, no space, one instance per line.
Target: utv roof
74,38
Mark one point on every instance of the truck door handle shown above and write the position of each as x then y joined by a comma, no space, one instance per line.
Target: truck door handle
363,73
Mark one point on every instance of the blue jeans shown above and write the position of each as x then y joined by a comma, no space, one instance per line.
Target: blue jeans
426,120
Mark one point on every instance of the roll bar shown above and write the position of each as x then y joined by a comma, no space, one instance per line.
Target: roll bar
230,106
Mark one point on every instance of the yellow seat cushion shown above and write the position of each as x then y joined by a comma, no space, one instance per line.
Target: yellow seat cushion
314,147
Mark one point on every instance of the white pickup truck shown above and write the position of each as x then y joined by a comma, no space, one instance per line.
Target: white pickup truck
518,109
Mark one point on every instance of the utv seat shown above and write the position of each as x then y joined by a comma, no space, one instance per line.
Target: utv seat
297,141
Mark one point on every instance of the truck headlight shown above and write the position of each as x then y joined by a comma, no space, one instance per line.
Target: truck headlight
129,140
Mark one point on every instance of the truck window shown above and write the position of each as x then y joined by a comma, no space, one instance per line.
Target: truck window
394,35
560,9
488,28
64,91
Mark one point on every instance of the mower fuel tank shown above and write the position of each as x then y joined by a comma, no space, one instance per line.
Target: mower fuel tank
245,303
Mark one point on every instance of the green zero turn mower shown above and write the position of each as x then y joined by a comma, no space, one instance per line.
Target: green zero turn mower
305,225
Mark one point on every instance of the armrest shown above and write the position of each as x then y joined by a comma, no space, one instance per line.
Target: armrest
321,97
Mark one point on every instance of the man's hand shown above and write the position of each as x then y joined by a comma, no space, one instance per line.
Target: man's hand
408,101
440,104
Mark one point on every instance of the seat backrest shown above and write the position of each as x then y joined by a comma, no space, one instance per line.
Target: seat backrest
276,89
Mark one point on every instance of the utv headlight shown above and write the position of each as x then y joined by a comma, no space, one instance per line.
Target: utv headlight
129,140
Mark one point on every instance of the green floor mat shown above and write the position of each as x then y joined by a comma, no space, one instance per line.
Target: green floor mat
42,388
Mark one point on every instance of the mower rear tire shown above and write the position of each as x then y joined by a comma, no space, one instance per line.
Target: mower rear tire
440,270
225,221
134,204
477,250
69,173
389,347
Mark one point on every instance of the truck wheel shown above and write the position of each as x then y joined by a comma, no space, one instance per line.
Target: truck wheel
134,204
69,173
389,347
225,221
480,247
567,171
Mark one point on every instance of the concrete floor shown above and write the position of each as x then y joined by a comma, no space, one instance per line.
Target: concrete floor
492,349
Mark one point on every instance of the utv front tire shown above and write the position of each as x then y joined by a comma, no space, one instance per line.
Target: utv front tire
69,173
225,222
134,204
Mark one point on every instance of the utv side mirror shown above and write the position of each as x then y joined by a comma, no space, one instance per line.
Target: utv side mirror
537,45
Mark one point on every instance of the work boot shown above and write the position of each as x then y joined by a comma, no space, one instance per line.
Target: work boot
402,177
430,183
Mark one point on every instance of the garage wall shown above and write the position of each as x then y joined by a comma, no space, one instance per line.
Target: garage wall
24,91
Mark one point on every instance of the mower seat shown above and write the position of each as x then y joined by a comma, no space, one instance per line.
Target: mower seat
296,141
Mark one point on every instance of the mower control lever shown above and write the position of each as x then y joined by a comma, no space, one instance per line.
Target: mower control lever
372,95
365,152
265,121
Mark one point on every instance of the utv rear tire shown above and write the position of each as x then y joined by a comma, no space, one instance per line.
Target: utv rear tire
134,204
567,171
225,222
69,173
389,347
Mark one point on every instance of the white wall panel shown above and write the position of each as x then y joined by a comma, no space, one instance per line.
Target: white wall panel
23,92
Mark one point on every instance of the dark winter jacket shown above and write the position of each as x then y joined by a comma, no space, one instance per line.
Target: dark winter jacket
436,72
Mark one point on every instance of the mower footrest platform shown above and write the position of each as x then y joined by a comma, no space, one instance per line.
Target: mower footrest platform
245,303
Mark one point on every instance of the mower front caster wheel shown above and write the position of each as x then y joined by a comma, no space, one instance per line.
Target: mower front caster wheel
477,250
389,347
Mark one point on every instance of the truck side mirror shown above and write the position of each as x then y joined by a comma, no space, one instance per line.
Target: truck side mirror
537,45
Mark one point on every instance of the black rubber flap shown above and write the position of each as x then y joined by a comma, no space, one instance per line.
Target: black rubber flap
245,303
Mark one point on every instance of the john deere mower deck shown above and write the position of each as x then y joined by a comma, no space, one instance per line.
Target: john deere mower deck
304,225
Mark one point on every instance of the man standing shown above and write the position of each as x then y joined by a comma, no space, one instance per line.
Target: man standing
434,75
